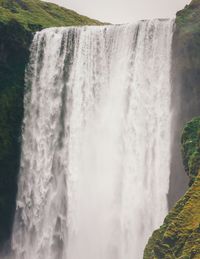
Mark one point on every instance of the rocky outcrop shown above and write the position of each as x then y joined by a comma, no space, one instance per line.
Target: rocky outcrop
179,236
186,59
186,88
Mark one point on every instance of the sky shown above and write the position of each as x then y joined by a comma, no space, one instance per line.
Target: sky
123,11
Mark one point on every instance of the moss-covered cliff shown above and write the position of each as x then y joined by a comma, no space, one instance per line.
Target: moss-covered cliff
19,19
179,236
186,58
186,86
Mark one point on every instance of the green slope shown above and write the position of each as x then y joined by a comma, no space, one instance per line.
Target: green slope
37,14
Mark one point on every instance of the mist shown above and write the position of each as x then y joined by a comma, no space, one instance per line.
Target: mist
124,11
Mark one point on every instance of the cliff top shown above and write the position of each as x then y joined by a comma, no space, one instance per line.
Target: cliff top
35,14
189,18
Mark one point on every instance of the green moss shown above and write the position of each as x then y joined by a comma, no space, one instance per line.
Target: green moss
34,14
179,236
188,19
186,60
191,148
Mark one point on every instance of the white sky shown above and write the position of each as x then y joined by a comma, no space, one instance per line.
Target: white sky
122,11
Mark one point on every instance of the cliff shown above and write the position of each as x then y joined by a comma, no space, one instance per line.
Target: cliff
179,236
186,60
19,19
186,86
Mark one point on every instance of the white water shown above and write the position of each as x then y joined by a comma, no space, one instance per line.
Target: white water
96,144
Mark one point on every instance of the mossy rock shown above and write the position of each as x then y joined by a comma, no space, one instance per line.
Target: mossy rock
191,148
179,236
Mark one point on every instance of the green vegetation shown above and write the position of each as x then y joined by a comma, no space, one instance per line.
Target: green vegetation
186,58
188,19
186,83
35,14
19,19
179,236
191,148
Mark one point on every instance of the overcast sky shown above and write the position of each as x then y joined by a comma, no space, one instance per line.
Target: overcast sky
122,11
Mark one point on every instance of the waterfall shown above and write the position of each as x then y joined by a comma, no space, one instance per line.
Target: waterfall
95,160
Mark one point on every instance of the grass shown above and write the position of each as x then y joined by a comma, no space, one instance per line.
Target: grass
37,14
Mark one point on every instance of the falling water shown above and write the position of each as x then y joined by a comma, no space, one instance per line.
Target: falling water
96,143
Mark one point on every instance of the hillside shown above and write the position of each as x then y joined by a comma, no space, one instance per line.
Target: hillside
35,14
19,19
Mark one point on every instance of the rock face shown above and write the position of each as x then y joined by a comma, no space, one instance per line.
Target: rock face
186,85
186,56
179,236
19,19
